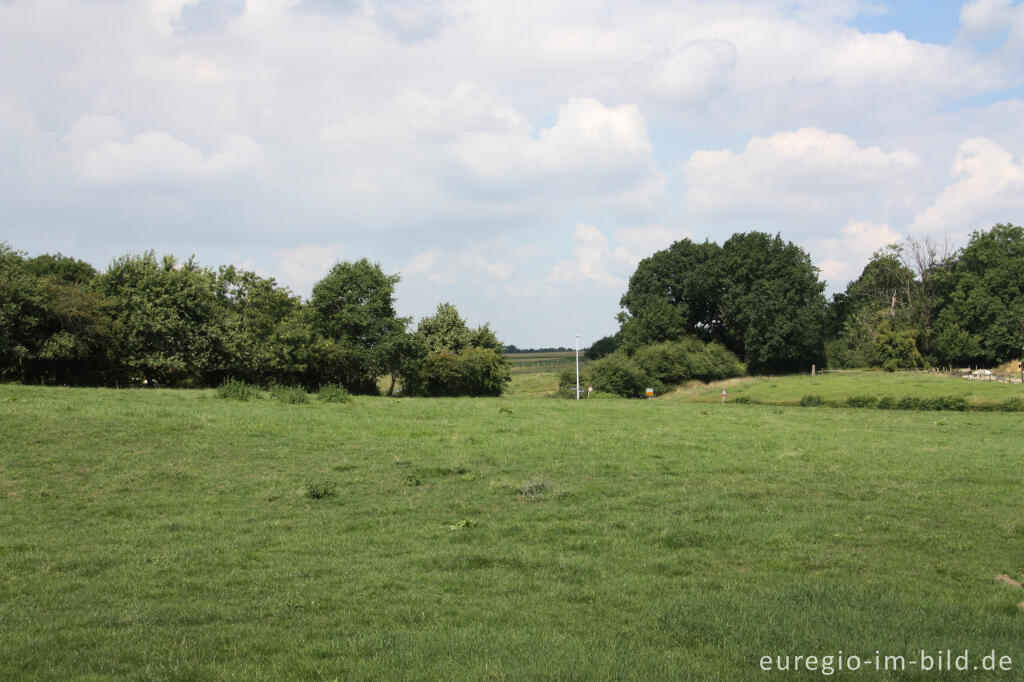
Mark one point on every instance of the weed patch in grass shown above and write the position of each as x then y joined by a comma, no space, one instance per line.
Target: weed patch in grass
317,490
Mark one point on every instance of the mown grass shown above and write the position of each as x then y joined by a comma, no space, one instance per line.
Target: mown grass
173,535
788,390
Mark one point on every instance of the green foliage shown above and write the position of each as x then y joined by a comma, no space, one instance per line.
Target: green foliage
861,401
619,374
318,490
353,307
886,402
756,294
602,347
234,389
453,360
811,401
896,349
675,362
333,393
292,395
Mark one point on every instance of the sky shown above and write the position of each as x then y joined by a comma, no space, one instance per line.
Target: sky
516,159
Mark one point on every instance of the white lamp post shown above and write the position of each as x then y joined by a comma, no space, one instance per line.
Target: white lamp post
577,367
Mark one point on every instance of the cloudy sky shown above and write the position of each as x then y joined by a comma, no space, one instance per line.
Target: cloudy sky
514,158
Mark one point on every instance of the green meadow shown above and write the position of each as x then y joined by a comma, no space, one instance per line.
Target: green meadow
173,535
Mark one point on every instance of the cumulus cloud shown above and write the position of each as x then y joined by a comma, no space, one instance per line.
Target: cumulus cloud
592,261
842,258
791,171
591,149
988,187
103,156
302,267
463,265
691,73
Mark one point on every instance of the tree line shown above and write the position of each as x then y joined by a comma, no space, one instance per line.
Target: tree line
160,321
917,303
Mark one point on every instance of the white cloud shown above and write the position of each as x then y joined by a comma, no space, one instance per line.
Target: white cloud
302,267
591,149
464,265
792,171
154,157
988,187
592,258
691,73
842,258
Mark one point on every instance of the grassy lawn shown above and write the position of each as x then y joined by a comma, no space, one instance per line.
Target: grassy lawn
169,535
788,390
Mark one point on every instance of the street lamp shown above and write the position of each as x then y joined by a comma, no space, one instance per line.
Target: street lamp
577,367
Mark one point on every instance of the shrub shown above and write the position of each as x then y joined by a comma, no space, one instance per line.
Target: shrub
334,393
236,390
908,403
861,401
886,402
316,490
676,362
811,401
1012,405
472,371
742,400
293,395
618,374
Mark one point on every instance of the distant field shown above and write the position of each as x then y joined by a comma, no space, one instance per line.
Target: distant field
169,535
535,375
790,389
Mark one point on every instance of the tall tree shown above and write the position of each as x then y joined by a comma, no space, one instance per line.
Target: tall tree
354,306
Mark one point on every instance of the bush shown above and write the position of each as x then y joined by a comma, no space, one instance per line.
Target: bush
1012,405
908,403
811,401
236,390
886,402
334,393
675,362
620,375
861,401
472,371
293,395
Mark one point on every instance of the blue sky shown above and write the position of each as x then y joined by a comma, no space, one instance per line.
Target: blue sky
515,159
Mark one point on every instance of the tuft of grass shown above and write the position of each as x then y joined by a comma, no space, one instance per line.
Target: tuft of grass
534,488
462,524
317,490
292,395
333,393
233,389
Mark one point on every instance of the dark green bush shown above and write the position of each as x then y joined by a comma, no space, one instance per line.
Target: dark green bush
908,403
675,362
1012,405
618,374
472,371
236,390
861,401
742,400
886,402
334,393
811,401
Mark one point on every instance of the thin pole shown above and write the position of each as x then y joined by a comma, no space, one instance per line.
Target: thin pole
577,367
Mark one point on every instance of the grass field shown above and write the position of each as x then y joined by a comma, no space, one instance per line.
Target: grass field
788,390
171,535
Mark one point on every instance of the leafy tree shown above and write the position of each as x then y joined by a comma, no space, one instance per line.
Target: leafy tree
53,328
619,374
168,323
673,293
602,347
985,299
354,306
456,360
